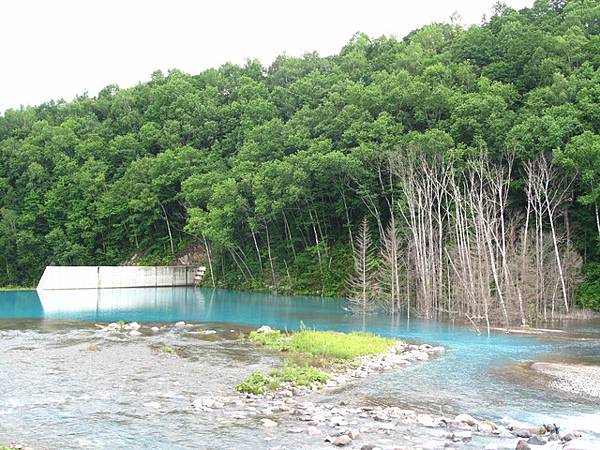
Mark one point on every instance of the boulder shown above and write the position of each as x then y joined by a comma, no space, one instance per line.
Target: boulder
134,326
134,333
536,440
522,445
155,329
486,426
570,436
522,433
465,418
342,440
180,324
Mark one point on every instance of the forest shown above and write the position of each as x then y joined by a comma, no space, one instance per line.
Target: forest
455,170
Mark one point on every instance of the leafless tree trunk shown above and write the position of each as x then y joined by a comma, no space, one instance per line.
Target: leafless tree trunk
362,285
269,253
391,263
212,276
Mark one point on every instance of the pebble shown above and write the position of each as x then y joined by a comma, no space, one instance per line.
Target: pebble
464,436
522,445
342,440
180,324
268,423
313,431
426,420
265,329
354,434
134,333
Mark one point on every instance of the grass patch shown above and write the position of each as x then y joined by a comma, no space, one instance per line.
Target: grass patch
327,344
305,351
166,349
15,288
259,383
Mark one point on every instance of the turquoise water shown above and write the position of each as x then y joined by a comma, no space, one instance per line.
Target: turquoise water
476,375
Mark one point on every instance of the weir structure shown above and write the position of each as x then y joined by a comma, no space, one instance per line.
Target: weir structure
100,277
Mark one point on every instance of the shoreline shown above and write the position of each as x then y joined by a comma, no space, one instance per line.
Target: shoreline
577,379
168,371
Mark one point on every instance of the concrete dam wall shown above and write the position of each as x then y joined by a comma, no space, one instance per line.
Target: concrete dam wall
99,277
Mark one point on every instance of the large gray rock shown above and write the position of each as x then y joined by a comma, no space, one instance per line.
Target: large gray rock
570,436
522,445
536,440
522,433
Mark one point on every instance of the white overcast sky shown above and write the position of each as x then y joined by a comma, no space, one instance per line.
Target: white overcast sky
55,49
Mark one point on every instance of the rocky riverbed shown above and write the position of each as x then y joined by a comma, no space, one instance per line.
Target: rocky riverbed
572,378
117,386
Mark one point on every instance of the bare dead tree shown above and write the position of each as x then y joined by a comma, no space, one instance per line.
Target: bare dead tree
362,285
550,190
392,264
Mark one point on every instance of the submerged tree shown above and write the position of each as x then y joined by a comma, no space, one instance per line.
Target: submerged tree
362,284
392,265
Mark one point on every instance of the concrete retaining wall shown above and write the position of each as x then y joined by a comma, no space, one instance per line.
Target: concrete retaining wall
97,277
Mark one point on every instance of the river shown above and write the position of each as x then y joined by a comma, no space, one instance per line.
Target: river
64,385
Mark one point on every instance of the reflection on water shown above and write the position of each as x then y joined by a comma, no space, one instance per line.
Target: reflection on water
470,377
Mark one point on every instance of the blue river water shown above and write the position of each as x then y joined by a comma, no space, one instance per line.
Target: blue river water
478,374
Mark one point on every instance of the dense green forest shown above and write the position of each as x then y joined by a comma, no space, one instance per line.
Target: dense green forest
272,169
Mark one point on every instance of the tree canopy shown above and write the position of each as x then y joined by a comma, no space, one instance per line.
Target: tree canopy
275,167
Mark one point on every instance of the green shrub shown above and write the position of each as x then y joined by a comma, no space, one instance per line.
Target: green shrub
588,294
259,383
300,376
